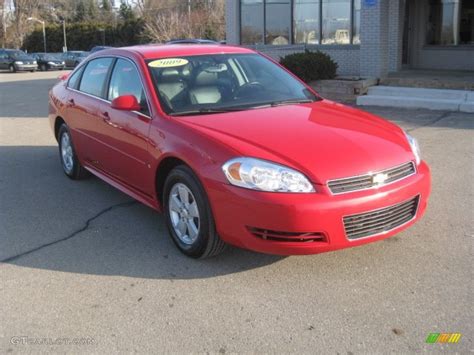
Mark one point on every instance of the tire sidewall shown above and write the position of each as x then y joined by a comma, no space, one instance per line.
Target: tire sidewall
184,175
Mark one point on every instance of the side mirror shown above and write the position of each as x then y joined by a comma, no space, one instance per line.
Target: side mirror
126,103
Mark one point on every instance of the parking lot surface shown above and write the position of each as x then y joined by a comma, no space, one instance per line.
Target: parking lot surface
81,260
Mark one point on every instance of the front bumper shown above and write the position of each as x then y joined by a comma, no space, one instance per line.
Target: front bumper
26,67
56,66
235,209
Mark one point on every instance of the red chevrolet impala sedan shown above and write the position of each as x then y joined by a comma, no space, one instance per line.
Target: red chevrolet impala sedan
236,150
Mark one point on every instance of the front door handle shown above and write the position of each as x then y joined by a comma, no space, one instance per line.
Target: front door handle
105,116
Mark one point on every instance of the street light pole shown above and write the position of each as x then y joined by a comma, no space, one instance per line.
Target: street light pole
64,35
44,30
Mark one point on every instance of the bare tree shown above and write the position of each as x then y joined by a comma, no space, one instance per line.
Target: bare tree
167,20
22,10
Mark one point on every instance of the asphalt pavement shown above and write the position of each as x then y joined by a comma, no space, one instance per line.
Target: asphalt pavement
85,269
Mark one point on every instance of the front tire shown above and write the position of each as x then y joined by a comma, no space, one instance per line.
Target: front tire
12,68
188,215
67,155
43,67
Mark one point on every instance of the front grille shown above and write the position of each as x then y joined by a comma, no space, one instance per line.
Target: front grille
279,236
368,181
381,220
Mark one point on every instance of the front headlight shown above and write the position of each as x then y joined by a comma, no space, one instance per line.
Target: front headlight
19,62
262,175
415,148
35,62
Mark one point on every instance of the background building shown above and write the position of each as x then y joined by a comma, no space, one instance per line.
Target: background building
369,38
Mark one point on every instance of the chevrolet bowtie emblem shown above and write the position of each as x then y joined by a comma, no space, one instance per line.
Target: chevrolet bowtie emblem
379,179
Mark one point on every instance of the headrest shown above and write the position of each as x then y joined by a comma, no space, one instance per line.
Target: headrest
206,78
169,75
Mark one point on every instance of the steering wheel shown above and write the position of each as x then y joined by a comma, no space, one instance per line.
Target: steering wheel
248,89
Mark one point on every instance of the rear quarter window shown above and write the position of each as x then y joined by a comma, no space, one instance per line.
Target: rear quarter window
73,82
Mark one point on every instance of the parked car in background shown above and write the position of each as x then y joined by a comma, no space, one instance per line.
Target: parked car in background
98,48
235,149
73,58
47,61
15,60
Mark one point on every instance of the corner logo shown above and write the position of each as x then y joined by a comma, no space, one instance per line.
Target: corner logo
443,338
379,179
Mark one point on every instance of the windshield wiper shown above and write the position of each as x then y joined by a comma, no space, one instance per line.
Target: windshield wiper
205,111
291,101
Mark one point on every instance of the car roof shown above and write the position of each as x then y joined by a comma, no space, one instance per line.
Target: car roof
169,50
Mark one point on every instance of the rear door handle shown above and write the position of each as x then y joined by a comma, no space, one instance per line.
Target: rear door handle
71,102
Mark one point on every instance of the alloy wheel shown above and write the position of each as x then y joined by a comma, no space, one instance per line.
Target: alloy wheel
184,213
67,154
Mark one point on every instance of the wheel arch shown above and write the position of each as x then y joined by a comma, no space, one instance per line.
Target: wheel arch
162,170
57,123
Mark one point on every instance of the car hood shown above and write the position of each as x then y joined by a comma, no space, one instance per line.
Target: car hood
324,140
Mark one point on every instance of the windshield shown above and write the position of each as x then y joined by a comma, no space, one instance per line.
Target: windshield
18,55
223,82
51,56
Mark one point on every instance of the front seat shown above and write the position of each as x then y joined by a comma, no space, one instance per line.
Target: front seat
170,85
205,89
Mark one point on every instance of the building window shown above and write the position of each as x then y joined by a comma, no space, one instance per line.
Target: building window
277,21
466,27
251,15
336,21
450,22
306,21
280,22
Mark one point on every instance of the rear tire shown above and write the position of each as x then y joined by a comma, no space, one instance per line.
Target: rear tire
12,68
67,155
43,67
188,215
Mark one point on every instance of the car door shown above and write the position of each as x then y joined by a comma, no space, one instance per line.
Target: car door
86,92
126,132
69,60
3,58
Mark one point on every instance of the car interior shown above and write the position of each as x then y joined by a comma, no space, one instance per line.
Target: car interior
218,82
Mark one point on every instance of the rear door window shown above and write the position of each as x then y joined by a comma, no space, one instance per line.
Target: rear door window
95,75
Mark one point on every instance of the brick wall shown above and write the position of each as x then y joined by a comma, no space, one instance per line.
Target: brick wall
374,40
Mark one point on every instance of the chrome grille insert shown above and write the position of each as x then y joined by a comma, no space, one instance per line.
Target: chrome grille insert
371,180
381,220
